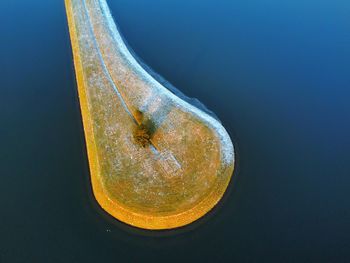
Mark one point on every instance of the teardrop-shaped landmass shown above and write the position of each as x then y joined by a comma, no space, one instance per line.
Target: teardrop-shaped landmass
156,162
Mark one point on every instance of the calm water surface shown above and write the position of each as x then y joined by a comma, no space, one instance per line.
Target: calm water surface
275,72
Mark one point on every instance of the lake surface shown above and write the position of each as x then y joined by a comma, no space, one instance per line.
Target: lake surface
276,73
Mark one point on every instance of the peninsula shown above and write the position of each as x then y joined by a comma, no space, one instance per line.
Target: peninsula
156,161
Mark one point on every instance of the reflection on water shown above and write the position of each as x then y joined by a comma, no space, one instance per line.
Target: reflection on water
275,73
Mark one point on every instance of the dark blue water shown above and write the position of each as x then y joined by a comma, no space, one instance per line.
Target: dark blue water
275,72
